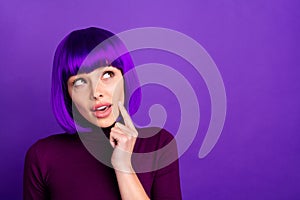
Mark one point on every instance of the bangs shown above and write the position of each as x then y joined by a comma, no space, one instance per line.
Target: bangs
82,51
92,55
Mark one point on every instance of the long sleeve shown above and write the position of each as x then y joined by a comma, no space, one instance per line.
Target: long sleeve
166,183
34,187
60,167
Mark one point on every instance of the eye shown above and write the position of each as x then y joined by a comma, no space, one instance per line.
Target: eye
78,82
108,74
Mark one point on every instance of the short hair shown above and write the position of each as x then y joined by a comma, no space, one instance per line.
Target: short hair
70,58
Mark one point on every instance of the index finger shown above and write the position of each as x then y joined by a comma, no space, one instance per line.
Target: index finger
127,120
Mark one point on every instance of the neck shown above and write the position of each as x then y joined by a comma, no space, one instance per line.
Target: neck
106,130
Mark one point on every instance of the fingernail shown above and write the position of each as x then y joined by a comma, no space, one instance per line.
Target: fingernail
120,103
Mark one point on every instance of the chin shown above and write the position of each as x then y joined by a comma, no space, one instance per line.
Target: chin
102,123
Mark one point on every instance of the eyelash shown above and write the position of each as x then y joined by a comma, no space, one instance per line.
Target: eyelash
111,73
78,79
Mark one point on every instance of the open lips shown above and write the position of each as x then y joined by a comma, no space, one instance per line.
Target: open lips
102,110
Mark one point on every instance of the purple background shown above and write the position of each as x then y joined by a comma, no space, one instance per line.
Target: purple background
255,45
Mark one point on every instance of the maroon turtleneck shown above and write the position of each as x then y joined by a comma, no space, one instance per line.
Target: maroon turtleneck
77,166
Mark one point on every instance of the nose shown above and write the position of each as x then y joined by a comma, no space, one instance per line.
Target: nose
97,91
96,97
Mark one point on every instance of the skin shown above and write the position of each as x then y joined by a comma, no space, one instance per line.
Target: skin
103,85
106,85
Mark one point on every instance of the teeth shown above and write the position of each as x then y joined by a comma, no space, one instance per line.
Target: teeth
101,108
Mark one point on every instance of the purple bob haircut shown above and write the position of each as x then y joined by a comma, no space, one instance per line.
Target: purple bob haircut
82,51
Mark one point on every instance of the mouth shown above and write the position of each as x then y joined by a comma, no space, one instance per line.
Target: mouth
102,108
102,111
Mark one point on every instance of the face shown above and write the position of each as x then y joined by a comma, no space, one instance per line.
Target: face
96,94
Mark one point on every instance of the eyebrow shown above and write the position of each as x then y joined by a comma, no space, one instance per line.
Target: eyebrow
101,70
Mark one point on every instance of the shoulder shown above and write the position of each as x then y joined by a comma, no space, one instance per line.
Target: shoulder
155,133
153,138
52,142
54,139
155,149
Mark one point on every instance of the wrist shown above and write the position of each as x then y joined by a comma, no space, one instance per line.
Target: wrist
121,160
121,169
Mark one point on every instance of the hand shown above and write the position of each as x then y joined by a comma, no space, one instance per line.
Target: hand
122,138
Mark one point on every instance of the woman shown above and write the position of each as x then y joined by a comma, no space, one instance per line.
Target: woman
102,155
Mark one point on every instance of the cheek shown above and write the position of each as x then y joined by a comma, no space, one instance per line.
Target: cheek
118,94
79,108
79,101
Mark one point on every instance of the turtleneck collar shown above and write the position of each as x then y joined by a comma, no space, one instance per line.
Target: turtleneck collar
106,130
